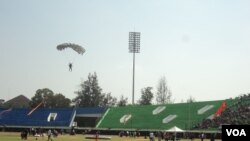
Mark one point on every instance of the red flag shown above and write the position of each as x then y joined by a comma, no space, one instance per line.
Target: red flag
35,108
221,109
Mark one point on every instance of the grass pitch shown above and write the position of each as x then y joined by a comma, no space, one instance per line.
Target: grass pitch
9,136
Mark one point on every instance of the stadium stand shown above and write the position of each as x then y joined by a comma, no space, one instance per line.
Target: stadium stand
237,113
182,115
187,116
50,117
39,118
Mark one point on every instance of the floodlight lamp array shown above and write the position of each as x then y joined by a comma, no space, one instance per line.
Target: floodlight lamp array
134,42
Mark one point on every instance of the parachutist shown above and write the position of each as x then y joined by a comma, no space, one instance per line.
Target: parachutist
70,66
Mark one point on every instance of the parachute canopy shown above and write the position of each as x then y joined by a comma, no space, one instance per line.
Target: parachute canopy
79,49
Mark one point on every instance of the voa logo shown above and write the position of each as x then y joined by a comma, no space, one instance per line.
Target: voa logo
236,132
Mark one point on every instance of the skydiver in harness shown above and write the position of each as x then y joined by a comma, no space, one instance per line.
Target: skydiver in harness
70,66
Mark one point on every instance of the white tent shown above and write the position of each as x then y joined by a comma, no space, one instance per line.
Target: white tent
174,129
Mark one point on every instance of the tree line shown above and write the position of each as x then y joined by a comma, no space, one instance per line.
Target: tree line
91,94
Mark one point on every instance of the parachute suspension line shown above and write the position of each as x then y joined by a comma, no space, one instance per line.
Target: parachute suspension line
73,60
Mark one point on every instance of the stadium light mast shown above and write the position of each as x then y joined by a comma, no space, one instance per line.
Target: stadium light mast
134,47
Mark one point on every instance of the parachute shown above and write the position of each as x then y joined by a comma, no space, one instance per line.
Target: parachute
79,49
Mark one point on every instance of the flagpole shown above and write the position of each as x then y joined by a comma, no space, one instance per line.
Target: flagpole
35,108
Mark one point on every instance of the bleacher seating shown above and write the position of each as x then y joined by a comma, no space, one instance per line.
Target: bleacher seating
237,113
182,115
19,117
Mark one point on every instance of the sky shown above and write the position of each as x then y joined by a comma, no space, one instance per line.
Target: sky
201,47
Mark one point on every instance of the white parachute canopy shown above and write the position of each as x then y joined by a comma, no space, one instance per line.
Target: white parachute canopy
79,49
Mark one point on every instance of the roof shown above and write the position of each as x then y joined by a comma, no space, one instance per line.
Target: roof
175,129
20,101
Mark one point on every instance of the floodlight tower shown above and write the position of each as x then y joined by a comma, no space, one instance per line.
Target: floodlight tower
134,47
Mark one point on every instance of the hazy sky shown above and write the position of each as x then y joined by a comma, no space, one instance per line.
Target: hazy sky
202,47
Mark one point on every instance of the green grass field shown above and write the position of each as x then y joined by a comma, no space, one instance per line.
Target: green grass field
7,136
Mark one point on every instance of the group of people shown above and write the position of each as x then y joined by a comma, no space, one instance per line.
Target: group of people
129,134
163,136
170,136
151,135
24,135
39,133
236,114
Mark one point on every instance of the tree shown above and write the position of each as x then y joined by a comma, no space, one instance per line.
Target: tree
190,99
1,103
90,93
164,94
122,102
146,96
108,100
61,101
45,95
49,99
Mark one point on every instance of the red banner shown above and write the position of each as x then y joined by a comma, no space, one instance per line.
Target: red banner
221,109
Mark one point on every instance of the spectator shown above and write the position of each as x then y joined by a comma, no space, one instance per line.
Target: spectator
49,135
